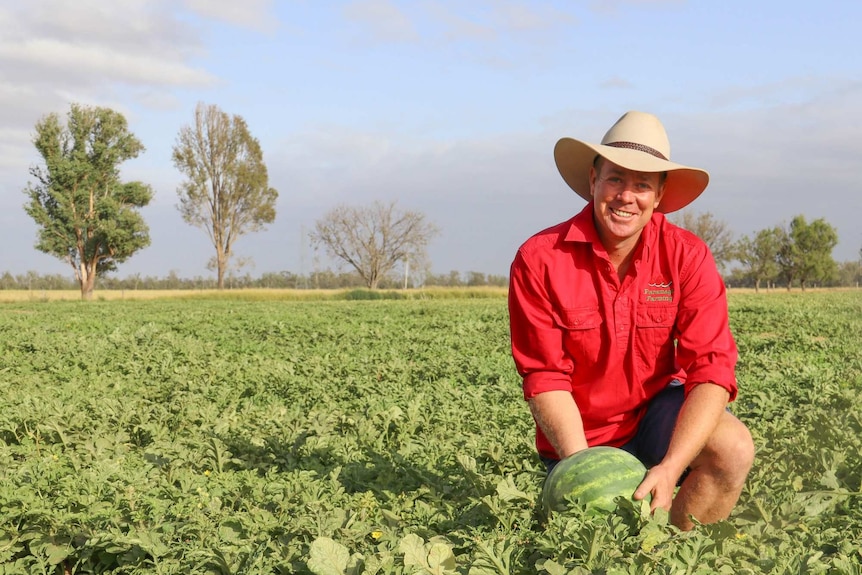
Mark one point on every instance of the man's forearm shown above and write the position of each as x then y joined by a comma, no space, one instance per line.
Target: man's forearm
697,420
558,417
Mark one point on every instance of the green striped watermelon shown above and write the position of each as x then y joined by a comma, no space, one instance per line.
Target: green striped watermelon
593,478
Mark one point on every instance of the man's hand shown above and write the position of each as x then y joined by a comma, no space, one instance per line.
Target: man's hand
660,482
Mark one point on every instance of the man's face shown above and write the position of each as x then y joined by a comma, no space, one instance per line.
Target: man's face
624,201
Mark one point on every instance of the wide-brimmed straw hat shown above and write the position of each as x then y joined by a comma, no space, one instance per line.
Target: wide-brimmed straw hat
637,141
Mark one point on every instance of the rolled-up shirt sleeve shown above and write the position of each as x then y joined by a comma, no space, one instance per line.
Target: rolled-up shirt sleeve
537,346
705,349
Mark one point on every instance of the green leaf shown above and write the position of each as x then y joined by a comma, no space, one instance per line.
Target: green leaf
232,531
507,491
57,553
413,548
552,567
440,558
653,534
392,519
829,480
328,557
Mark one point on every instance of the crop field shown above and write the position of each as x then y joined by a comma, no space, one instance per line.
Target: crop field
382,437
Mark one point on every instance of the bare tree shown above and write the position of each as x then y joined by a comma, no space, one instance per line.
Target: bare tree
227,192
711,230
374,239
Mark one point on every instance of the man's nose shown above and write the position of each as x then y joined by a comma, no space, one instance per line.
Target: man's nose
627,192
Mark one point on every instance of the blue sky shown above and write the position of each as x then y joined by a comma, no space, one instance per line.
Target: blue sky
450,108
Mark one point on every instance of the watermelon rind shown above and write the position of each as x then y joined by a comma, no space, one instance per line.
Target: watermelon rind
592,478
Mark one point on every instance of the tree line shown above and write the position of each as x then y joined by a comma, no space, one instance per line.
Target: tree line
798,254
324,279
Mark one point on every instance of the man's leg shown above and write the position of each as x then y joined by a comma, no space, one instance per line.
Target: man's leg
717,475
713,482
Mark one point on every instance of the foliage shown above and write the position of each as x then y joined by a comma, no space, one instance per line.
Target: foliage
227,191
383,437
850,273
86,215
805,254
716,233
759,256
374,239
319,279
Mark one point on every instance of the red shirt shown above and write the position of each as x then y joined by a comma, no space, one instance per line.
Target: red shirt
614,345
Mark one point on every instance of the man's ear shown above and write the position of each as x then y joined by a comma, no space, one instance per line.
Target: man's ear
593,176
659,195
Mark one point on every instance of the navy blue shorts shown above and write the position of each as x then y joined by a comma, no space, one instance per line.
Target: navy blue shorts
652,438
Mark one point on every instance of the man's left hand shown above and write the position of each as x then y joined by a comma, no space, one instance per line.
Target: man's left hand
660,482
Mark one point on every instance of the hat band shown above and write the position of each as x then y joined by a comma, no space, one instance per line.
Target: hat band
639,148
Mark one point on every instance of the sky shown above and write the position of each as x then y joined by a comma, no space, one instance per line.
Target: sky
446,107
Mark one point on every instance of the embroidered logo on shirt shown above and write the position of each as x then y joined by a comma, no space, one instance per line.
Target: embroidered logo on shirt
659,290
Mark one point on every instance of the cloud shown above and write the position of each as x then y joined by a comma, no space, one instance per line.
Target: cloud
253,14
381,21
482,25
129,26
16,149
612,7
52,51
455,27
529,16
616,83
90,63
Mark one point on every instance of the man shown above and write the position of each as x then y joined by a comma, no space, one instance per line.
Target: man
620,330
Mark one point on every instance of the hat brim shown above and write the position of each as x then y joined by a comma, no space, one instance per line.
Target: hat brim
575,158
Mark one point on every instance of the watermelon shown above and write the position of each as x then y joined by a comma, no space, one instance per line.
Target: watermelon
592,478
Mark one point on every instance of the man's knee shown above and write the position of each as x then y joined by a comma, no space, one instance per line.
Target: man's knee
729,452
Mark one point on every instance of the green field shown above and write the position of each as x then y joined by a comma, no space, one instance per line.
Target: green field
351,437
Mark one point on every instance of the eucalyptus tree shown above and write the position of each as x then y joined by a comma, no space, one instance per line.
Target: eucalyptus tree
759,255
226,192
806,252
86,215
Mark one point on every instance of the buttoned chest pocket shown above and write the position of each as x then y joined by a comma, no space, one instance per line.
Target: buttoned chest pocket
582,333
654,338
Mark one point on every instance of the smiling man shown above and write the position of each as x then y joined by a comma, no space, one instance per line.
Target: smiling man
620,328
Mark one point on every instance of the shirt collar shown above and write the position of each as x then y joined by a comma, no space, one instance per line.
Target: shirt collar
583,229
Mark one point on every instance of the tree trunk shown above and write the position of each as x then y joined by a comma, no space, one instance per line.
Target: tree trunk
88,283
757,286
221,267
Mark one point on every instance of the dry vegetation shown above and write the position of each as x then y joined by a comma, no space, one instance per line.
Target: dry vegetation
256,294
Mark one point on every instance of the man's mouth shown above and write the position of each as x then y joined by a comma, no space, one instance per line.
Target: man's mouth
621,213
